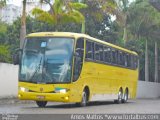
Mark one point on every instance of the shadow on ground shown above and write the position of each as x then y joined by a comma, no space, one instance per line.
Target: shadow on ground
90,104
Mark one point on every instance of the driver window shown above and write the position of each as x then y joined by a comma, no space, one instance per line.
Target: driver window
78,58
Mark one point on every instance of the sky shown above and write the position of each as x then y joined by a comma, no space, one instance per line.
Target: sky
15,2
18,2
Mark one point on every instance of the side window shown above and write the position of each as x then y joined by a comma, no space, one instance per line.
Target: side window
125,59
114,56
132,61
89,50
101,52
128,57
135,62
107,54
121,61
97,52
78,58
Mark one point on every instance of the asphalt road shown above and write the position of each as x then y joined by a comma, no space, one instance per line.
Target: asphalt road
140,106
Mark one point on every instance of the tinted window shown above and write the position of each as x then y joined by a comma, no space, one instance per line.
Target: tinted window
135,62
121,58
114,56
132,61
89,50
97,52
78,58
107,54
128,57
101,52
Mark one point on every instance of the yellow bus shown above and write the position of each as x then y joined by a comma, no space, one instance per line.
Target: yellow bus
73,67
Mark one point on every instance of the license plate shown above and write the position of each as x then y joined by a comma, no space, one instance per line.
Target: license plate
40,97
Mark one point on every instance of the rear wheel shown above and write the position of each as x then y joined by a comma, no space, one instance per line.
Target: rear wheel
41,103
125,97
120,96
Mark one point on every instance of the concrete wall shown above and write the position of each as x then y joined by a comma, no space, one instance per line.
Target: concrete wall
9,84
8,80
148,89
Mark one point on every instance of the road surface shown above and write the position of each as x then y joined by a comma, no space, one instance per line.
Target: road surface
140,106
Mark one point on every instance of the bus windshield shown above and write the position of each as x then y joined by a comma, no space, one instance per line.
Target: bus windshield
47,60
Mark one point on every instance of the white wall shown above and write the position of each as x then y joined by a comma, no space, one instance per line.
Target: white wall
9,84
148,89
8,80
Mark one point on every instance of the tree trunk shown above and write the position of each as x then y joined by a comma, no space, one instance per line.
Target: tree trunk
23,25
156,62
83,27
125,37
146,63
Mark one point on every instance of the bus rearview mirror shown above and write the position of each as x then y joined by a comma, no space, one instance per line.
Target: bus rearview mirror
17,56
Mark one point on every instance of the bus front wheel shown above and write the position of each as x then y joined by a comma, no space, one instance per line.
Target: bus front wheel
84,100
41,103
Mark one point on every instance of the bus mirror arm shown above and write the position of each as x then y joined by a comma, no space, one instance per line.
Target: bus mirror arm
17,56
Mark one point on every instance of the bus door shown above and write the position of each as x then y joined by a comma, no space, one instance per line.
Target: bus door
77,68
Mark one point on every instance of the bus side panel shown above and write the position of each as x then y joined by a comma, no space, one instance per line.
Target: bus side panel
106,79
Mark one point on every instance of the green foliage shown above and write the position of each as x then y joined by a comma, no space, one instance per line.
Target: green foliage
77,6
2,3
5,54
44,16
61,13
143,24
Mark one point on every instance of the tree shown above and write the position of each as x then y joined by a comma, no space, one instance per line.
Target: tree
156,4
122,14
61,12
4,53
96,9
23,25
142,21
2,3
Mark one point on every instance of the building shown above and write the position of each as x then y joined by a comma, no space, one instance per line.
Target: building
31,4
10,13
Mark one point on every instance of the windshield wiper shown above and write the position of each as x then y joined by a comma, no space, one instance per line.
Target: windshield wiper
37,70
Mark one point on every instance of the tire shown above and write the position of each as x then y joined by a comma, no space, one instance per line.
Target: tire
120,96
125,97
41,103
84,100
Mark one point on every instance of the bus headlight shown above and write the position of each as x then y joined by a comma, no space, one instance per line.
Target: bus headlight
61,90
23,89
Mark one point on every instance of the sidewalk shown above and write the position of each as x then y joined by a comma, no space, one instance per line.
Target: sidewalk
13,100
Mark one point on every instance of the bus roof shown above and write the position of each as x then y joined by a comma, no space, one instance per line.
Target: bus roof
76,35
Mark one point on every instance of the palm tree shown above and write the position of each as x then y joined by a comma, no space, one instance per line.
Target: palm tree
144,24
104,6
156,4
61,12
23,25
122,14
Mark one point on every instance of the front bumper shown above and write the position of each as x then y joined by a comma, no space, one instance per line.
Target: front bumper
55,97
